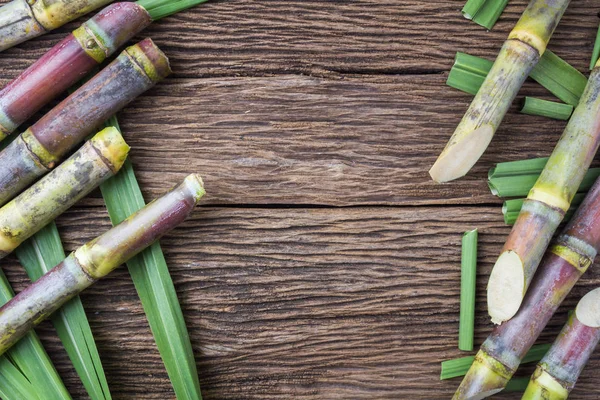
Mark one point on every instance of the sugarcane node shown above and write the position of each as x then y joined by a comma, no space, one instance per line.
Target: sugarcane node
150,59
52,14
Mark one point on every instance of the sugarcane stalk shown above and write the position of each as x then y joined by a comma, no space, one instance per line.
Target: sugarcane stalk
21,20
39,148
570,255
97,160
519,54
557,373
96,259
546,205
69,61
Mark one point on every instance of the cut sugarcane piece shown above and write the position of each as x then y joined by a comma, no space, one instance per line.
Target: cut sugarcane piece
557,373
76,56
552,72
545,108
519,54
96,161
39,148
484,12
21,20
96,259
546,205
69,61
571,254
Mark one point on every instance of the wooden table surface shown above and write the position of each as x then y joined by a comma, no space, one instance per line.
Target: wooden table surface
324,262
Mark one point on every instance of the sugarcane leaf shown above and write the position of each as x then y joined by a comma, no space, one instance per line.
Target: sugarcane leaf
150,275
484,12
38,255
163,8
13,384
30,358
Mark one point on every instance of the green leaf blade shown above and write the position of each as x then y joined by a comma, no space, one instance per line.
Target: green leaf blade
545,108
468,276
38,255
155,288
484,12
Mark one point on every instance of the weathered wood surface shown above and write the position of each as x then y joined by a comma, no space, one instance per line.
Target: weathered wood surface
291,109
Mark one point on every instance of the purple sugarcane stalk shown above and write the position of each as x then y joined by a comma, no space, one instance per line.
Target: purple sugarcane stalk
68,62
557,373
96,259
563,264
39,148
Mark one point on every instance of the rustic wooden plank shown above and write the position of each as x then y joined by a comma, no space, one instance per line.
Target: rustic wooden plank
354,303
351,140
246,37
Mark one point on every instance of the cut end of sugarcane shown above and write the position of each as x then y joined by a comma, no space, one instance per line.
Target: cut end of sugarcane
110,144
506,287
195,185
459,157
588,309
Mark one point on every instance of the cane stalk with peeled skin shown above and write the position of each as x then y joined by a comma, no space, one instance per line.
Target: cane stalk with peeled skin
571,253
75,56
96,259
21,20
557,373
97,160
546,205
519,54
39,148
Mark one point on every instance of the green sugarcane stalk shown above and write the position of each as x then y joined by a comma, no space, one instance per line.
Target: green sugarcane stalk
557,373
546,205
37,150
519,54
97,160
96,259
21,20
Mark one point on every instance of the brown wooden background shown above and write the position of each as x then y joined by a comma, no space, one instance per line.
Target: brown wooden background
324,263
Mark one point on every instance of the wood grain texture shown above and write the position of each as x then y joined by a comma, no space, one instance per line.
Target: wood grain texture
304,303
324,263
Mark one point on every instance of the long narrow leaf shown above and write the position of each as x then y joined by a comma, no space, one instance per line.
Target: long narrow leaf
155,288
484,12
13,384
38,255
29,356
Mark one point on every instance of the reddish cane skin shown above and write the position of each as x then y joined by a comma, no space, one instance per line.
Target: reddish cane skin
67,62
553,281
583,225
122,21
57,70
84,111
129,238
571,351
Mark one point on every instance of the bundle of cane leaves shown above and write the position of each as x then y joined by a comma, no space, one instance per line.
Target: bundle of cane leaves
77,55
546,205
36,151
570,255
552,72
22,20
520,53
155,288
95,260
95,162
484,12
